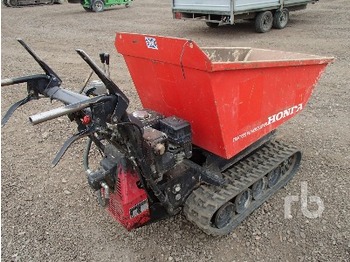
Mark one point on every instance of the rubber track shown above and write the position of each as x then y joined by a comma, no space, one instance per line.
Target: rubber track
203,202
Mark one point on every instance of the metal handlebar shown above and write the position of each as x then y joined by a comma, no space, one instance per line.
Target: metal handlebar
63,95
65,110
23,79
49,84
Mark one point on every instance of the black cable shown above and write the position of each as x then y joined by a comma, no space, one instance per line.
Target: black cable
86,154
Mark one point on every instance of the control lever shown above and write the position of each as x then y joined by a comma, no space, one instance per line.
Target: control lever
103,61
32,95
122,100
107,63
14,107
69,142
42,64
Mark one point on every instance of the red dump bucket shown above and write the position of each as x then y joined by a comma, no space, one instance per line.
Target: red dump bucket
231,96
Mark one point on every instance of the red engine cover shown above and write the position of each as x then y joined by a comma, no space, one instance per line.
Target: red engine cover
128,204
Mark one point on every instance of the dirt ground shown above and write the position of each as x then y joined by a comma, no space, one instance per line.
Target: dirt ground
50,214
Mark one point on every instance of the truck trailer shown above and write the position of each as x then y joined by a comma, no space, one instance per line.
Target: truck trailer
266,14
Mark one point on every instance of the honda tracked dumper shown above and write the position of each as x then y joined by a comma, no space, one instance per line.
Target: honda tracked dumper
204,142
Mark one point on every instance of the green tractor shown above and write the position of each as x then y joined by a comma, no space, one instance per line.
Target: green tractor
99,5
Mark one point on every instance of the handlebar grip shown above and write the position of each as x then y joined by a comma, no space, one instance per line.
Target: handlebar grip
23,79
52,114
65,110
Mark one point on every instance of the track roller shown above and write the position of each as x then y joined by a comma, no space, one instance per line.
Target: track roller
253,180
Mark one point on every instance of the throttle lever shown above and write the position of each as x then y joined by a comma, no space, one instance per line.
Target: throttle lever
107,63
103,61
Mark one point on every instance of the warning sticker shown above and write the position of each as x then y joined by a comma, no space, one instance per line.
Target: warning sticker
151,42
139,208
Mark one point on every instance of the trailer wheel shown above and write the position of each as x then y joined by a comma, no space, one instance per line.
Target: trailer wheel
212,24
263,22
12,3
5,3
281,18
97,6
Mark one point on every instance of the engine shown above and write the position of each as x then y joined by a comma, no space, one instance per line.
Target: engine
166,142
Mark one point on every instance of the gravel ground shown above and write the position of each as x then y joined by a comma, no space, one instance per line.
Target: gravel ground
50,214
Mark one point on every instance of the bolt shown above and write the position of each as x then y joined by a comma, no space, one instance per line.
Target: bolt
176,188
178,197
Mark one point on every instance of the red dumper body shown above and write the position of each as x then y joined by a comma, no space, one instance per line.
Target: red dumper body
231,96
